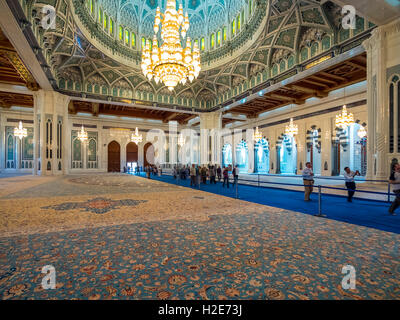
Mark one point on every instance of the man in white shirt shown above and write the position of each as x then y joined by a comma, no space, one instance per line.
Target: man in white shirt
349,181
395,181
308,179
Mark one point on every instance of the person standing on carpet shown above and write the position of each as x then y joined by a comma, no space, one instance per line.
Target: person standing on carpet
395,181
212,175
349,181
193,176
219,173
235,173
225,173
308,180
204,174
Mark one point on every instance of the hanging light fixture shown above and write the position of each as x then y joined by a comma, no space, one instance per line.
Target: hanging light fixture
171,63
82,135
136,137
20,131
362,133
344,119
181,140
257,135
291,129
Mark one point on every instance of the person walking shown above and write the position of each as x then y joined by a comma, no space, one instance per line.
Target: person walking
219,173
308,180
235,173
198,175
212,175
193,176
349,181
225,173
395,181
204,174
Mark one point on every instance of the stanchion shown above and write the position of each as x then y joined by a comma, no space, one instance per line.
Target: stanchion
388,192
320,203
236,186
258,179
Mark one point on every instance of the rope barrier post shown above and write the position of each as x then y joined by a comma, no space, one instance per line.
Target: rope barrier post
320,203
388,192
258,180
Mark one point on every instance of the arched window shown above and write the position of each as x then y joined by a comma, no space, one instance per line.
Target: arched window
314,49
120,33
326,43
282,65
212,41
224,34
304,54
233,27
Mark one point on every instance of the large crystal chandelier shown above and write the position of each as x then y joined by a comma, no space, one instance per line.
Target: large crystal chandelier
292,129
82,135
257,135
20,131
344,119
136,137
170,63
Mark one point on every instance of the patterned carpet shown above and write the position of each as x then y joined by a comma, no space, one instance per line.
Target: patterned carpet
124,237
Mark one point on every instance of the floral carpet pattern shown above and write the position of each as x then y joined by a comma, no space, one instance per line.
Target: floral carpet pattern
203,247
97,205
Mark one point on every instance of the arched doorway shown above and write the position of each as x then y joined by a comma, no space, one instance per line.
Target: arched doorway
114,157
287,155
351,150
148,154
242,157
314,149
226,155
261,156
132,151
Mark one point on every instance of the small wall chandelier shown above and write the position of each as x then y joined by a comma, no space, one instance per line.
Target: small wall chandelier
257,135
181,140
20,131
136,137
291,129
82,135
362,133
170,63
344,119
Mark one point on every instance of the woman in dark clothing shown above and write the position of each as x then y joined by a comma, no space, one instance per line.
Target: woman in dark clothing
219,173
225,173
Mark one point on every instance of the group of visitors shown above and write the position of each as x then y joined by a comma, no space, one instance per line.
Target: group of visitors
200,174
152,169
308,181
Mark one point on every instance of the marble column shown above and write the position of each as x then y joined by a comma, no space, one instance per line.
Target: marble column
210,126
50,133
382,57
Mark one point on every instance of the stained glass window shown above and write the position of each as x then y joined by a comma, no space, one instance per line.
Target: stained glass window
219,38
143,42
100,15
224,34
111,26
127,40
121,33
202,44
133,40
238,22
212,40
233,27
105,21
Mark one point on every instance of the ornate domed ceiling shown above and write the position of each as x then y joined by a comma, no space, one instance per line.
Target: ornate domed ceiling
96,47
206,16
